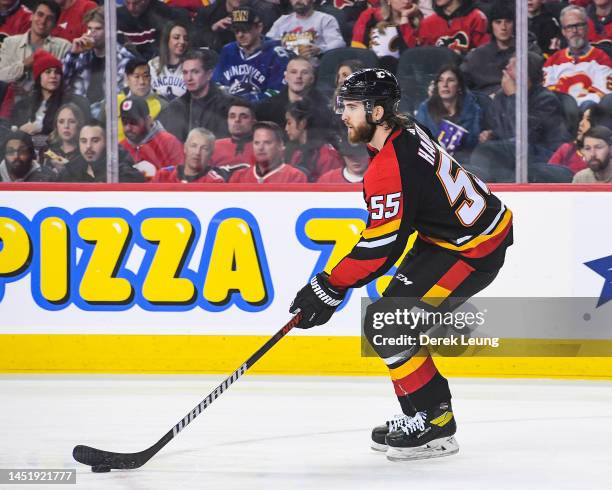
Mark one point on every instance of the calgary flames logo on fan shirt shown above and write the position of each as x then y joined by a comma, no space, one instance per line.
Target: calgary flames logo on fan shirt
459,41
578,85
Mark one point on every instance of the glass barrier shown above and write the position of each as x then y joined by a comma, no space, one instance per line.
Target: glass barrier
225,93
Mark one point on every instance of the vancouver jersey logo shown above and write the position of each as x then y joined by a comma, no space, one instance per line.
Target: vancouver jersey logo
603,267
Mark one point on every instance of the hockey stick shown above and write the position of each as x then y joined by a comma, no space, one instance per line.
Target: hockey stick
107,460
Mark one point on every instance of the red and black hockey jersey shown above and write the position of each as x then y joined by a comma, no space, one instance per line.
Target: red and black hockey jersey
367,35
176,174
413,184
463,30
283,174
70,24
230,152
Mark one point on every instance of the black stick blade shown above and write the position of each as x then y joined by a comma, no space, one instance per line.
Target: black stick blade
117,461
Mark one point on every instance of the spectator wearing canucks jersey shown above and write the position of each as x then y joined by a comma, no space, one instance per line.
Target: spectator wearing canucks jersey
251,67
167,68
140,23
455,24
307,32
581,70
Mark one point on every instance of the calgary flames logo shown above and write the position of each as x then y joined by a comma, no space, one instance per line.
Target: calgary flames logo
578,85
459,41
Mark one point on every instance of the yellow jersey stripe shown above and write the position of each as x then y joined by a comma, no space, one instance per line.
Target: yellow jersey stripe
381,230
476,240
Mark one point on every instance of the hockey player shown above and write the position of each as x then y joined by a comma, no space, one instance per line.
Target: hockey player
463,232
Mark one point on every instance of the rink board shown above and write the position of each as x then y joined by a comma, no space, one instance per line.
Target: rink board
240,257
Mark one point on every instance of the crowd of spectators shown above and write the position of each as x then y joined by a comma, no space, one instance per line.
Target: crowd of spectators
236,91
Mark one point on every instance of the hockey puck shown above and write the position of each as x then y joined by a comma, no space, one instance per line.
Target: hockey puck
101,468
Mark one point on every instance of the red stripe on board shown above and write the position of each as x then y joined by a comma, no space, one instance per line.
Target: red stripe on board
416,380
455,275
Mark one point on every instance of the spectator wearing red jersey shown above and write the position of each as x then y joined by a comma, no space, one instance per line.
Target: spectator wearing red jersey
196,169
389,29
145,139
308,149
15,18
356,161
581,70
70,23
455,24
600,21
238,148
269,165
568,154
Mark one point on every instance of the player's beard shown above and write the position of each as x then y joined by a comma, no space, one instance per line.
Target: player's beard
362,133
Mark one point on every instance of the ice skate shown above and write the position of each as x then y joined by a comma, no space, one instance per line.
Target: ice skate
429,434
380,432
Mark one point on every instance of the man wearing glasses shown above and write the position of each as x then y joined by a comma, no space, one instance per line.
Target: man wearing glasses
19,164
581,70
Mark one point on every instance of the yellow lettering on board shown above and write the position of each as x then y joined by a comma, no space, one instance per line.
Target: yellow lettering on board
344,232
234,265
16,247
54,257
99,284
174,237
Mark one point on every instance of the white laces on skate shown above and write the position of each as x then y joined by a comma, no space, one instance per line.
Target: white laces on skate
397,422
414,423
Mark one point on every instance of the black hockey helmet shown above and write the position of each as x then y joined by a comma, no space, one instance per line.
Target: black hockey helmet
372,86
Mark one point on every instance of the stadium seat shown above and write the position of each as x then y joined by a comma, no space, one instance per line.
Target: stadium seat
493,161
570,110
326,81
545,173
606,103
417,68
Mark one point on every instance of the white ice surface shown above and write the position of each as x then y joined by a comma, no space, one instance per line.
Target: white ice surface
305,433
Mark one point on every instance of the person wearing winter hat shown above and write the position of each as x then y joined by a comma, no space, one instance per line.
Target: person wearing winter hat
483,67
34,113
16,54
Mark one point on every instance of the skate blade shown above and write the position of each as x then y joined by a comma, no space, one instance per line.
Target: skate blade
381,448
435,449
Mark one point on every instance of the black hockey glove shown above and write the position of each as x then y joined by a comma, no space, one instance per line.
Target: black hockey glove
317,301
